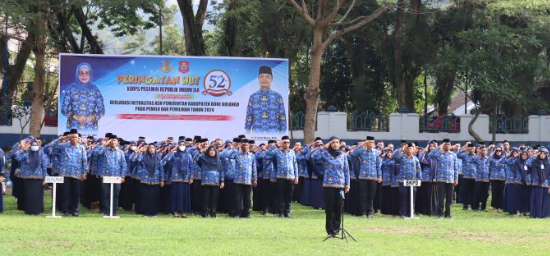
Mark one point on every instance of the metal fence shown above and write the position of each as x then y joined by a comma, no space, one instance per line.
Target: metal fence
297,120
440,123
368,121
510,125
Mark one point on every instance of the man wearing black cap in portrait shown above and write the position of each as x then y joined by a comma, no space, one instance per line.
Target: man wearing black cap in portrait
266,110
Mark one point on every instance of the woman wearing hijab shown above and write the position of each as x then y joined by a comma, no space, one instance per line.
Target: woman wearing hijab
497,177
336,182
151,174
33,163
427,192
388,167
515,181
180,178
540,179
212,180
127,189
82,102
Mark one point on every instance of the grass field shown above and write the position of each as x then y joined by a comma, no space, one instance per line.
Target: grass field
469,233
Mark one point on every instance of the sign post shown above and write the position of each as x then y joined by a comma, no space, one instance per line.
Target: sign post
412,184
54,180
113,181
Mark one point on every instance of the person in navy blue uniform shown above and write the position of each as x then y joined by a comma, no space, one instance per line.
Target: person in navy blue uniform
317,171
212,180
33,164
427,193
111,163
73,163
540,179
180,177
266,110
336,182
388,171
515,181
469,168
151,172
482,180
370,174
2,163
446,176
409,169
497,177
83,103
246,177
285,174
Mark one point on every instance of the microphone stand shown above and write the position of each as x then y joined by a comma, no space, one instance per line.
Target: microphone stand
343,232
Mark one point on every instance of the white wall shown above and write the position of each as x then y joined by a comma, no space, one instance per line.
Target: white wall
401,127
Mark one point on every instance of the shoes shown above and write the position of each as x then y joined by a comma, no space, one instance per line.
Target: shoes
65,214
281,216
288,216
76,214
448,217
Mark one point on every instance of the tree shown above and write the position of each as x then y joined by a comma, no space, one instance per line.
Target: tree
325,31
192,26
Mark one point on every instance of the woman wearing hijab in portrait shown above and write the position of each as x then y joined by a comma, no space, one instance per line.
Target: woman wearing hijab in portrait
33,170
151,174
83,102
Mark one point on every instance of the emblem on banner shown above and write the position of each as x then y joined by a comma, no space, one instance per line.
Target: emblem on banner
166,66
217,83
184,66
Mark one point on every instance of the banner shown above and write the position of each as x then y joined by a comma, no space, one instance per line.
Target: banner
162,96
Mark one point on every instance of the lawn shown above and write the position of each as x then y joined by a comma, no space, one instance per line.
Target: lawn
469,233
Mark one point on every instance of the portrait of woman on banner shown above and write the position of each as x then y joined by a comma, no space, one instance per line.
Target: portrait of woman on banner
83,103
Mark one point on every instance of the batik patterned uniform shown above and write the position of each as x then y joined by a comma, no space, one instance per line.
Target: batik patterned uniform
266,113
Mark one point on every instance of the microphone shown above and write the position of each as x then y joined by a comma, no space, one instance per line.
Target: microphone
342,194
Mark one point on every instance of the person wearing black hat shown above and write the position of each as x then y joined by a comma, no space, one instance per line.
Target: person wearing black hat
267,188
74,167
266,111
469,167
285,174
370,173
245,178
409,169
111,163
446,176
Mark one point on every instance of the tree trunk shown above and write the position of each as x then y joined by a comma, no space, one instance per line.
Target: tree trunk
16,71
192,26
313,91
445,86
400,81
230,31
86,32
39,70
471,129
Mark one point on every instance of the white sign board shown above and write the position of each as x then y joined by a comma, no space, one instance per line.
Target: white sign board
412,183
115,180
55,179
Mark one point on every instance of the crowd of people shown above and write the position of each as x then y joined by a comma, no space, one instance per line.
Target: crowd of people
203,177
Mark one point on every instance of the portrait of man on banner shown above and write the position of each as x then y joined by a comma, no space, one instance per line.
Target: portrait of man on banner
265,112
83,103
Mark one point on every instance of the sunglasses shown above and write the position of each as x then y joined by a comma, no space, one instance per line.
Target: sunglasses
286,142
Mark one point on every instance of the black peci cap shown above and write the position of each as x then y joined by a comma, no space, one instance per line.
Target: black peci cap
265,70
370,138
285,138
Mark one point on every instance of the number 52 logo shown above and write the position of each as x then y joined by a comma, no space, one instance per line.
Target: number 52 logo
217,83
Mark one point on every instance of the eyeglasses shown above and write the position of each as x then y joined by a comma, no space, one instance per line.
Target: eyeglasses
84,73
286,142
